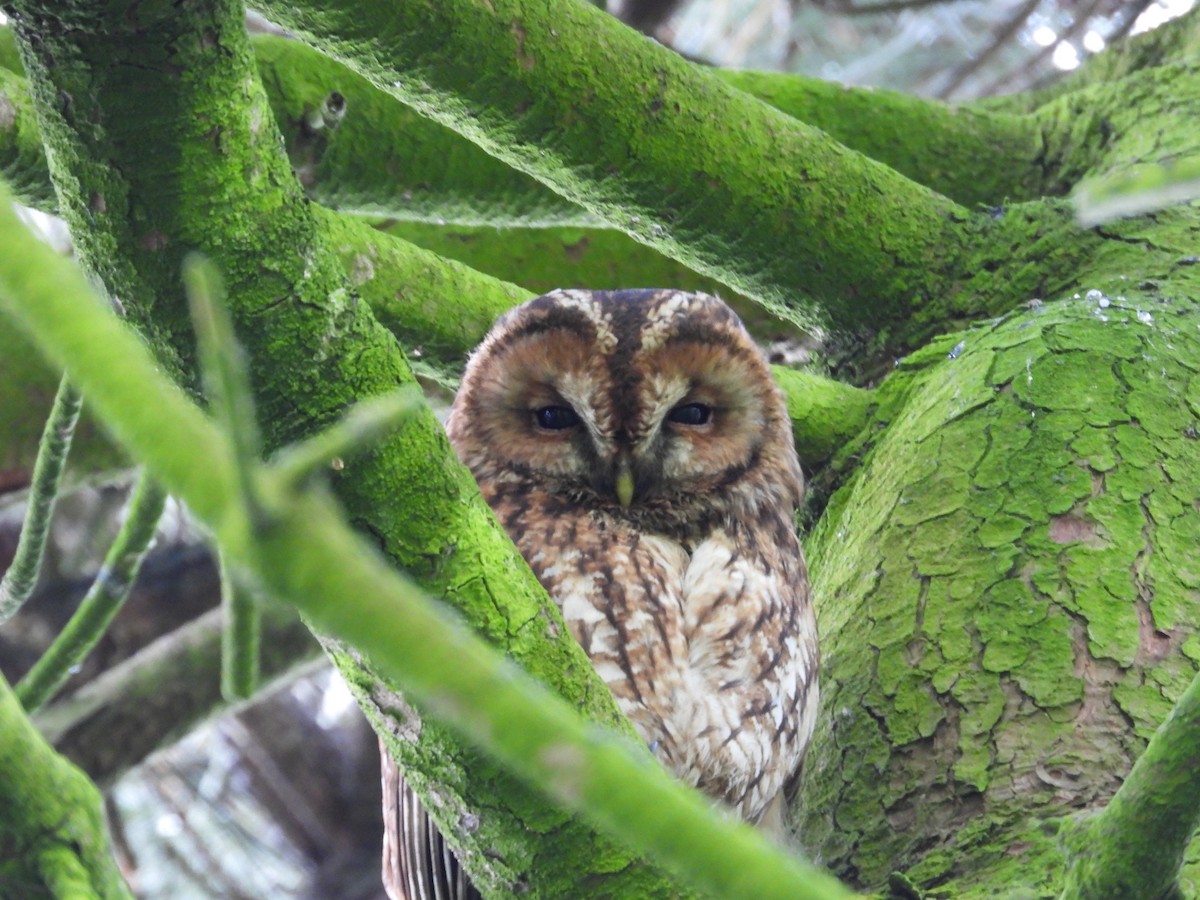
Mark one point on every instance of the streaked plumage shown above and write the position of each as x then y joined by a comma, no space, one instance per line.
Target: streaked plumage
637,451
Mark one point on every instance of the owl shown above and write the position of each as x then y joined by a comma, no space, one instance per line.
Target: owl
637,451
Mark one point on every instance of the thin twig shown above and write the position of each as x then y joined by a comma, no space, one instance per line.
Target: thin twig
241,635
1132,14
1033,65
22,575
849,8
104,599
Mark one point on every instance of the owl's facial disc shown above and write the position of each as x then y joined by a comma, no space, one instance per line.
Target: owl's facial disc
646,409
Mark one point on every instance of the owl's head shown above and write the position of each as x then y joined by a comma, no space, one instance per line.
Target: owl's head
653,405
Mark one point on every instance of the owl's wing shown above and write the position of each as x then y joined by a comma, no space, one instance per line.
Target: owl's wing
418,864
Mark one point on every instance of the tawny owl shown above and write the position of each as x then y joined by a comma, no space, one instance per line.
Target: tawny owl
637,451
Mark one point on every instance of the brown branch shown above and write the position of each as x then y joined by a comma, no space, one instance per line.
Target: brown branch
1000,37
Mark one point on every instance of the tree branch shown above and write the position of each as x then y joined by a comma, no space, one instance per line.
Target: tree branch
53,831
970,155
776,209
103,600
385,159
174,683
1134,847
19,580
22,156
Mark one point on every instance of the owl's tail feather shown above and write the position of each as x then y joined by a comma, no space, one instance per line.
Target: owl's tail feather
418,864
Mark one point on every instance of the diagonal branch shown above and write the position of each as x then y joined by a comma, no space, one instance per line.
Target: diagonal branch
662,150
22,574
1134,847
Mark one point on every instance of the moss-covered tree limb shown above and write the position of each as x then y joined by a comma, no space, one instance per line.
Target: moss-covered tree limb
9,58
385,159
774,209
1107,125
164,691
541,259
103,601
22,158
298,545
22,574
1134,847
972,156
1007,585
826,414
53,831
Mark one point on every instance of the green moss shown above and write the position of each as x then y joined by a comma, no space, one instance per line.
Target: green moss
1120,338
1008,434
1001,529
940,494
1112,625
1143,703
1095,447
1074,381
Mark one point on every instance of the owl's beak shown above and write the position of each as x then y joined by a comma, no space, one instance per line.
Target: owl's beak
624,481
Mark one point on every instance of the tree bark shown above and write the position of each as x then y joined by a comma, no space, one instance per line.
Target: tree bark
53,832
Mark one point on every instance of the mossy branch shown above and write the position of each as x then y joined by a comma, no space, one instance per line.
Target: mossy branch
103,600
22,158
9,58
776,209
970,155
1134,847
53,831
22,574
303,553
173,683
825,413
385,159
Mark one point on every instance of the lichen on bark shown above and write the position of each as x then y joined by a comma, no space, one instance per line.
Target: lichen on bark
1000,598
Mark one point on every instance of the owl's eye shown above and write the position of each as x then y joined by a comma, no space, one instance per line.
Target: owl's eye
556,418
690,414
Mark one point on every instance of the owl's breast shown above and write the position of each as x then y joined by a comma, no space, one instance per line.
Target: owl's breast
710,649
